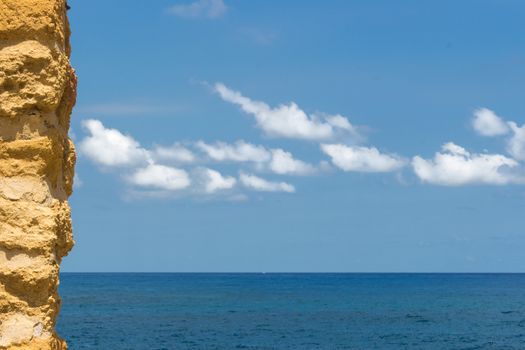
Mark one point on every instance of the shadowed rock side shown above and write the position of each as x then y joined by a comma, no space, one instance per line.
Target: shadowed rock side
37,93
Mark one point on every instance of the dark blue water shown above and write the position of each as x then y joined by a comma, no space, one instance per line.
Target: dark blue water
293,311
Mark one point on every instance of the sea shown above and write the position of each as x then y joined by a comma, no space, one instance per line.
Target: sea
292,311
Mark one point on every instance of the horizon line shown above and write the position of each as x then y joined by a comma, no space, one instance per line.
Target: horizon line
296,273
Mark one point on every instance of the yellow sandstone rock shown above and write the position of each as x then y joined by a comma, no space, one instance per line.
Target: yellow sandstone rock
37,93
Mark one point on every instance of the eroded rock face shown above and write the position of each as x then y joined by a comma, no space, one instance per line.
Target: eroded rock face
37,93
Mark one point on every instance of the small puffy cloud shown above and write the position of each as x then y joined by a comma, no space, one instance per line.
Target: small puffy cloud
200,9
286,120
284,163
176,153
362,159
516,143
452,148
214,181
259,184
338,121
109,147
278,160
160,177
487,123
239,152
455,166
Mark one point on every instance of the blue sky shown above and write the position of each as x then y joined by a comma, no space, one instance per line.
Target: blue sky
345,136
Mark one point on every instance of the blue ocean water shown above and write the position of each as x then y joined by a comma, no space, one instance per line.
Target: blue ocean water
293,311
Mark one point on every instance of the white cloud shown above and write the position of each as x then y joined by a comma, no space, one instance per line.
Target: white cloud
259,184
487,123
147,168
109,147
455,166
277,160
160,177
214,181
362,159
284,163
286,120
340,122
516,143
200,9
452,148
239,152
176,153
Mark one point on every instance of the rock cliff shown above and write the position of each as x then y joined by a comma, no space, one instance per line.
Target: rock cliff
37,93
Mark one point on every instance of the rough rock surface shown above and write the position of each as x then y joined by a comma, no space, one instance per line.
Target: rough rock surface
37,93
